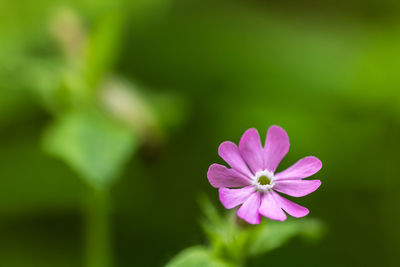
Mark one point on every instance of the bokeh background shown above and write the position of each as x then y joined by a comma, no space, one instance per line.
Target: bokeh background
171,80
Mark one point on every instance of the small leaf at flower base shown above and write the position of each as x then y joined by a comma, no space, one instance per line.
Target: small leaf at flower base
197,257
313,229
210,212
92,144
272,235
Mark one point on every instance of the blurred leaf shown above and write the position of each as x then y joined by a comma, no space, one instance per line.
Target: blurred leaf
313,229
103,46
196,257
125,102
223,233
152,114
92,144
211,214
231,238
225,236
271,235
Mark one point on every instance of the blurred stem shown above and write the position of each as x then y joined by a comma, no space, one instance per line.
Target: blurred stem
98,235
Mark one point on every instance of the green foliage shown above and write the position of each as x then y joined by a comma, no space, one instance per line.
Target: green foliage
272,235
92,144
197,257
226,238
103,47
233,241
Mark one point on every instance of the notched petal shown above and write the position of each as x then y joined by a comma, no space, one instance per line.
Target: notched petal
297,188
220,176
251,150
229,152
290,207
270,208
303,168
231,198
276,147
249,210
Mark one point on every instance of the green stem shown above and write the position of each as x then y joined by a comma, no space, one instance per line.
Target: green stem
98,235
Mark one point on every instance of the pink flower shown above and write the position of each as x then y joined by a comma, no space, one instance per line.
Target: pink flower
254,180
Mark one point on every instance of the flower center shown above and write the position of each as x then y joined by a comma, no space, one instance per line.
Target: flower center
263,181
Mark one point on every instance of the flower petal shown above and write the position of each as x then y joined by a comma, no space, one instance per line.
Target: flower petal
231,198
276,147
249,210
251,150
290,207
297,188
270,208
221,176
229,152
301,169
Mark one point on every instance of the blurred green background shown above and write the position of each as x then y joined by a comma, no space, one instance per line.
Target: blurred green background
136,96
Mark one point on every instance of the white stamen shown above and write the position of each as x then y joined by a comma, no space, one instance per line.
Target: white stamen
263,187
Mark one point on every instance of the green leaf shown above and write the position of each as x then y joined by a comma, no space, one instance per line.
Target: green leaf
92,144
224,235
196,257
104,40
210,212
272,235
